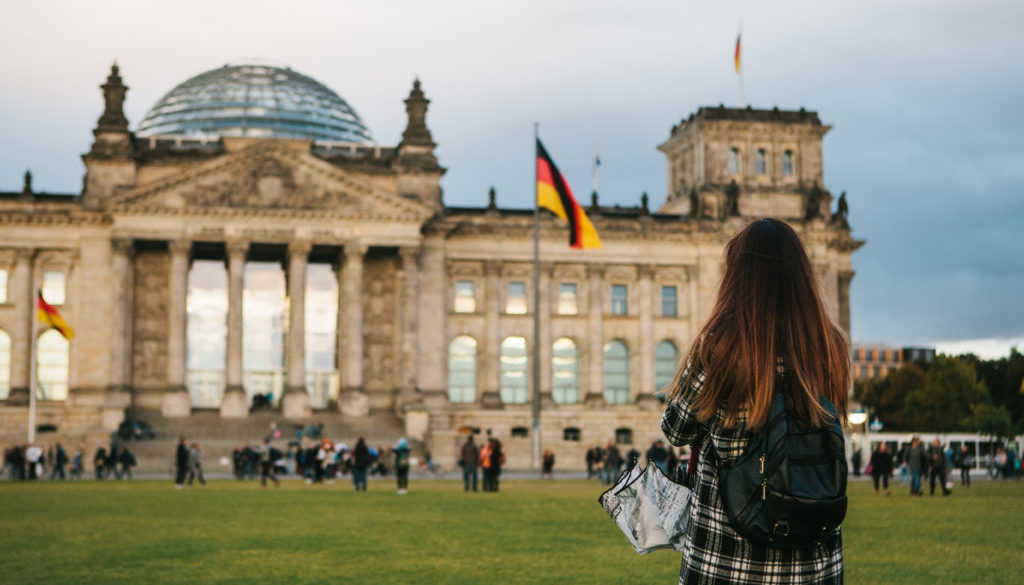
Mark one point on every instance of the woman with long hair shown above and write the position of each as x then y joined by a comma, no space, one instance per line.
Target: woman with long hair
768,321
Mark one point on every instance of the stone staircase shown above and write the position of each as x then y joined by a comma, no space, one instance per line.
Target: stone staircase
218,437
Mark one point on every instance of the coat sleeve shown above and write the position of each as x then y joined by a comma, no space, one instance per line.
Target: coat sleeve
679,423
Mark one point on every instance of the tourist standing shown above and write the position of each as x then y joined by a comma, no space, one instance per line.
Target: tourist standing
612,463
180,463
34,454
965,461
127,462
267,456
497,457
657,455
768,321
547,464
485,464
917,463
361,462
401,452
60,460
112,457
99,461
881,467
937,467
856,460
77,466
469,460
195,464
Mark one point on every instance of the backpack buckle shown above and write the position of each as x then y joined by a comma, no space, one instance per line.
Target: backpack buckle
784,525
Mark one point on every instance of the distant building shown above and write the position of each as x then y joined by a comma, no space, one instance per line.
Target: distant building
250,239
875,361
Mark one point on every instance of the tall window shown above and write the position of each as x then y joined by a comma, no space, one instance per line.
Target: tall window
321,334
669,303
568,299
3,285
206,332
666,360
734,161
759,166
787,163
619,302
514,366
516,302
565,363
616,372
465,297
53,287
52,365
5,364
462,370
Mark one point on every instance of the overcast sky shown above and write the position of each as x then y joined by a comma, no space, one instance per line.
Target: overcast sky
925,97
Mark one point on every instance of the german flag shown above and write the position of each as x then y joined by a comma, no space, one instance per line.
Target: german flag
49,316
736,57
553,193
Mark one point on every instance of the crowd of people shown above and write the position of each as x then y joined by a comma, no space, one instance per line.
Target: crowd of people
32,462
607,463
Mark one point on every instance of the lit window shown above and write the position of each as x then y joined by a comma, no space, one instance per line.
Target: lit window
5,364
3,285
666,359
567,299
53,287
669,306
462,370
465,297
565,366
616,372
759,166
516,302
623,436
787,163
514,366
52,365
619,305
734,161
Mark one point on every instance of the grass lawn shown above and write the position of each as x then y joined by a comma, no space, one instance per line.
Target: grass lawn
146,532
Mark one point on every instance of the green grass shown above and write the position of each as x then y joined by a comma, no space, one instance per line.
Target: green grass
146,532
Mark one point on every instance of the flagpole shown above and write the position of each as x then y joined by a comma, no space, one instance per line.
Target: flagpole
535,456
597,165
32,375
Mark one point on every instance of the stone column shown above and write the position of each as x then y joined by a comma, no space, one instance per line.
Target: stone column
118,393
24,297
545,335
296,403
407,327
432,330
176,402
845,277
353,400
235,403
491,395
644,391
595,341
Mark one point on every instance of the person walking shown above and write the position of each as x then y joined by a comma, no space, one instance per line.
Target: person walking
965,461
768,321
195,464
937,467
401,452
612,463
113,456
469,460
361,461
77,466
497,457
180,463
267,457
60,460
881,467
917,463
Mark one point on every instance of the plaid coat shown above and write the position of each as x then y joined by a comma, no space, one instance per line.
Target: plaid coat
714,553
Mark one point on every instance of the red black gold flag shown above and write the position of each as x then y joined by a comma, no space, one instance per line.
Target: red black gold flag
736,57
553,193
50,316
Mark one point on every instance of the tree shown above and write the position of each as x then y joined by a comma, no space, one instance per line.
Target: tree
887,397
992,421
950,393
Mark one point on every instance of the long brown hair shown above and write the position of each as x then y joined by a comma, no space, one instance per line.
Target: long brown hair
769,314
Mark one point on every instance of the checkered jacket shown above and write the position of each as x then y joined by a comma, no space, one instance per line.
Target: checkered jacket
714,553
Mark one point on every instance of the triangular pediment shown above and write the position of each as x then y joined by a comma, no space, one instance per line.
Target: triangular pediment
272,178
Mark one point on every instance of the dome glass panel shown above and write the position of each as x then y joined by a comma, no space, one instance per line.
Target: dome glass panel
258,101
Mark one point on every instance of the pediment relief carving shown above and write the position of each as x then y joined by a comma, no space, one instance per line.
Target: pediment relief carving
271,178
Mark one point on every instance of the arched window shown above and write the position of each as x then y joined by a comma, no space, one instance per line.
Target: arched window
759,166
565,365
734,161
616,372
462,369
5,364
514,365
52,355
666,359
787,163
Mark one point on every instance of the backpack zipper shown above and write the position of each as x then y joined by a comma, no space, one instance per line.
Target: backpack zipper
764,480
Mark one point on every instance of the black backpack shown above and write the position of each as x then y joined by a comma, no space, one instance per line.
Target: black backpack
788,488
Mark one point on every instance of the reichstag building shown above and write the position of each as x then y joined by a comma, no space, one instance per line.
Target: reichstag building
249,241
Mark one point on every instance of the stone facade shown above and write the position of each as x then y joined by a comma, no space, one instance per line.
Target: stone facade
150,206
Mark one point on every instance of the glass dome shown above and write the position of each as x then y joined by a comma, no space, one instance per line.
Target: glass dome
254,100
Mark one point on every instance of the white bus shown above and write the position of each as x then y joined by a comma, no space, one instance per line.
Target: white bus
983,448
